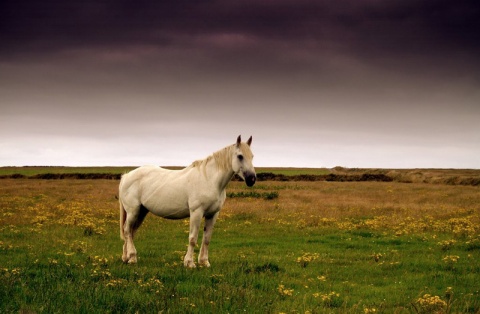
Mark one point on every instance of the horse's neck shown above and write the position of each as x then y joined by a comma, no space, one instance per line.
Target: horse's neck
219,176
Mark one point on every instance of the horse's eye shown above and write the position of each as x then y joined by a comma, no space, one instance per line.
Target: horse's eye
240,157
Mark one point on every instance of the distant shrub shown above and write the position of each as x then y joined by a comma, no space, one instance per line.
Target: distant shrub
77,176
254,194
270,195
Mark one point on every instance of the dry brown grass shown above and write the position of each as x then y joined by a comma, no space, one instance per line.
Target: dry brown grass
436,176
44,202
399,207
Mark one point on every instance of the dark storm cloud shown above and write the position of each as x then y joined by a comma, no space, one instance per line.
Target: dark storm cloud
340,81
362,27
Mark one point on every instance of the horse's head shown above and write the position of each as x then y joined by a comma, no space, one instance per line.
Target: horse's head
242,161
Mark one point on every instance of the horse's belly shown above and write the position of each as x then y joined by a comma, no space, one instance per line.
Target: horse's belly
167,204
168,208
170,213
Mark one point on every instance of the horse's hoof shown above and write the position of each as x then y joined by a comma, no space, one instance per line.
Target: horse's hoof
131,260
190,264
204,264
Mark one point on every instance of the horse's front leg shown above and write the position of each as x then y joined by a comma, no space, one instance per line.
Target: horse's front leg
207,236
195,220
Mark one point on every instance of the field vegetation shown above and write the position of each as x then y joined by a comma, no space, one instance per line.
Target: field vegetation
280,247
340,174
35,170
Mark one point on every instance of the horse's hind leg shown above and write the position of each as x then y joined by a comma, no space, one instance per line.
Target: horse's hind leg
125,252
129,251
133,221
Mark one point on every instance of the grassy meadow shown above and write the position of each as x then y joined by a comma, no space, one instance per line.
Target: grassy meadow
279,247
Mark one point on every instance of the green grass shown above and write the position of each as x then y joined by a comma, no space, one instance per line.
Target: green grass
60,274
267,256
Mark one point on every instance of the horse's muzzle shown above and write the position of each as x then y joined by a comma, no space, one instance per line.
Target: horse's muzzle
250,179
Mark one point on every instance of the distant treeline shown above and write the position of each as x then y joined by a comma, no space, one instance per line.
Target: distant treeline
356,176
58,176
268,176
262,176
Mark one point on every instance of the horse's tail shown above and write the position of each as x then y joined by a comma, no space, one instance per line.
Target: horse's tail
123,217
123,213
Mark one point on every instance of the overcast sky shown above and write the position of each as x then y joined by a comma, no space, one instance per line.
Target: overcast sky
386,84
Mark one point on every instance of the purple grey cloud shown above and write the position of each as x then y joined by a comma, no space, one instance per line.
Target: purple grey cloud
352,77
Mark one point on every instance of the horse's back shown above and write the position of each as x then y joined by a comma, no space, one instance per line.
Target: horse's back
136,176
131,182
160,190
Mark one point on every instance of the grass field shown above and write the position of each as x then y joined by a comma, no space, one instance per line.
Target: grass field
319,247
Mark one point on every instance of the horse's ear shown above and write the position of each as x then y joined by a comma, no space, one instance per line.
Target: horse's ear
239,140
249,142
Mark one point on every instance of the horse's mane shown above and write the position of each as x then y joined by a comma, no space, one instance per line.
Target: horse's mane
222,157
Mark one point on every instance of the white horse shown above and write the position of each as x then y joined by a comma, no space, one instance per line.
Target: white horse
196,191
